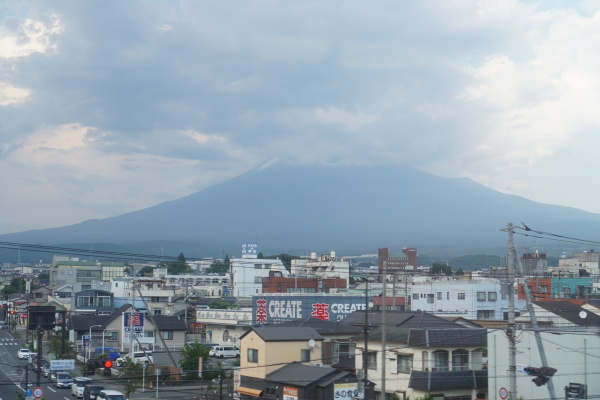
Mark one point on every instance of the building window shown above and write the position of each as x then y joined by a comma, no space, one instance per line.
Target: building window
253,355
439,295
271,391
460,360
440,360
485,314
342,351
404,363
542,289
415,296
258,279
461,296
258,266
305,355
372,360
480,296
103,301
111,335
492,296
430,298
167,335
157,311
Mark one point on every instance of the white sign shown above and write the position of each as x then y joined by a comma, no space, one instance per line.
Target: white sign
346,391
62,365
38,392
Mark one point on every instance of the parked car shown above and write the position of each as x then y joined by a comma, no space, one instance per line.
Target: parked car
109,352
224,352
63,380
78,385
111,395
144,357
23,354
91,392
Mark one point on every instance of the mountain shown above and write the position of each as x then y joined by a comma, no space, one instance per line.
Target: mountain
349,209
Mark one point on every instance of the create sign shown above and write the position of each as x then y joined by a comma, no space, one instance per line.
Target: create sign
270,309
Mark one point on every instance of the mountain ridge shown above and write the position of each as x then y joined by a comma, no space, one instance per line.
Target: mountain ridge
322,208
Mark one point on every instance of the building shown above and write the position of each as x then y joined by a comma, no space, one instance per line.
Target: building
73,270
485,299
248,272
276,283
444,363
534,264
323,267
392,265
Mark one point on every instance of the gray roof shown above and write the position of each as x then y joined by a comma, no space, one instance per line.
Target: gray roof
271,333
570,312
409,319
448,380
322,326
465,337
305,375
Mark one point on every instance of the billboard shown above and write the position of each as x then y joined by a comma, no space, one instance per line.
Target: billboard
280,308
133,323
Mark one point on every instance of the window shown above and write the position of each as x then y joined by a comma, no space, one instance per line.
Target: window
271,391
485,314
372,360
342,351
258,266
460,360
542,289
461,296
103,301
492,296
253,355
480,296
440,360
415,296
258,279
305,355
167,335
157,311
447,295
439,295
404,363
148,334
430,298
111,335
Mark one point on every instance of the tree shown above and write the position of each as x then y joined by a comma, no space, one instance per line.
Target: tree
17,285
221,305
189,358
459,272
146,270
176,267
44,275
219,267
286,259
440,269
131,372
55,346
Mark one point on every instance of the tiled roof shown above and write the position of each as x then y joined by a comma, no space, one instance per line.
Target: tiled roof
322,326
409,319
271,333
570,312
305,375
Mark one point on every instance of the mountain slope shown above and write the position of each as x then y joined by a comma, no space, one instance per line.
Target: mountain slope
313,208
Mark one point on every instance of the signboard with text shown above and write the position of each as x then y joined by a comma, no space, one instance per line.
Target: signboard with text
281,308
133,323
62,365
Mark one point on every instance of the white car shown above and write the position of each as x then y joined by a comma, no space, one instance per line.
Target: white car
23,354
79,385
224,352
111,395
144,357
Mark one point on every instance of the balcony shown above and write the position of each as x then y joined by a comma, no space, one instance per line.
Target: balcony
448,380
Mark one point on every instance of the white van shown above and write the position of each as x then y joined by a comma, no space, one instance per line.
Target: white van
224,352
144,357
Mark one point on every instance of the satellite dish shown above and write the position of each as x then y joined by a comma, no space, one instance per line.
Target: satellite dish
311,343
582,314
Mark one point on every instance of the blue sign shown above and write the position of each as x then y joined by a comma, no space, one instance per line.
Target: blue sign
268,309
85,340
62,365
29,393
249,249
133,323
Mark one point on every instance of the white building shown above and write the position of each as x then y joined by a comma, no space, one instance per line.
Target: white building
324,266
248,272
475,299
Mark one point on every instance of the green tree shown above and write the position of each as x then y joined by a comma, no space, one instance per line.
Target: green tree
131,372
44,275
189,357
219,267
17,285
147,270
55,346
176,267
221,305
440,269
459,272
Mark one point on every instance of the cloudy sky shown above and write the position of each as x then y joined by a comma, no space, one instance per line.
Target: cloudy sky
112,106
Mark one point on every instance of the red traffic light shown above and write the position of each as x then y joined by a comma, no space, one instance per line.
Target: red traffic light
12,311
107,364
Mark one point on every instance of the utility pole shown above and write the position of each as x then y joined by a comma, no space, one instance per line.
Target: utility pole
536,329
383,328
510,332
366,351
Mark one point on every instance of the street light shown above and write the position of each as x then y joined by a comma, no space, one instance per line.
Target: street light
103,332
90,343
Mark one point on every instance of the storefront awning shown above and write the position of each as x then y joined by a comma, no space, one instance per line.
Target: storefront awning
249,391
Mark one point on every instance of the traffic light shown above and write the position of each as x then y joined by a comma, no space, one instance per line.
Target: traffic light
541,374
107,366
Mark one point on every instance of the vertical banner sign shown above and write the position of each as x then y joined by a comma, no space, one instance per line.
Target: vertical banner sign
200,362
290,393
133,323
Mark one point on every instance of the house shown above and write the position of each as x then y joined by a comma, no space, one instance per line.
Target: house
276,362
561,314
445,363
113,330
94,301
